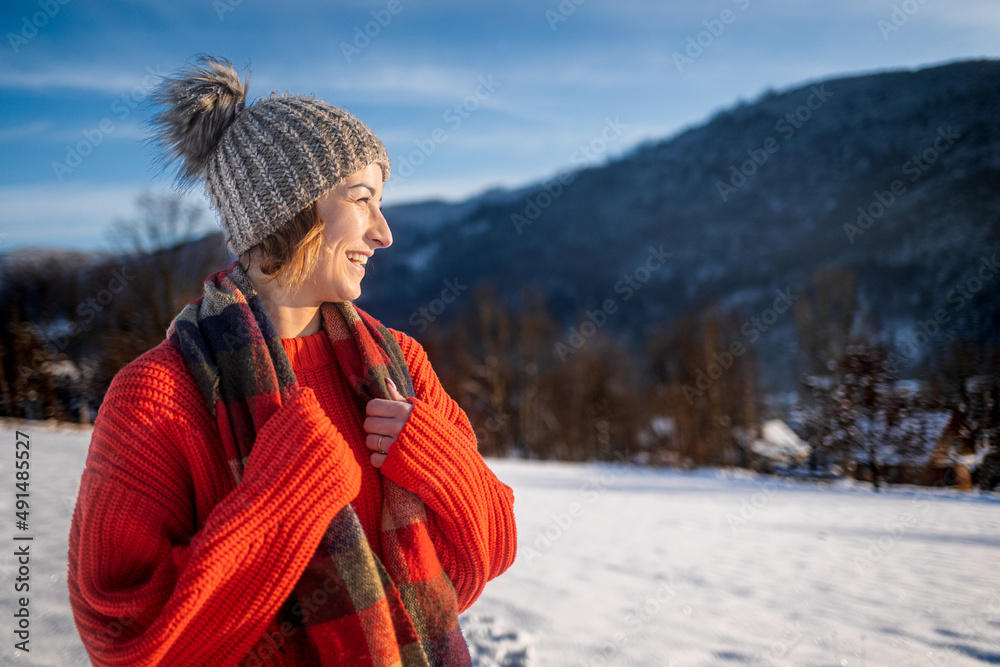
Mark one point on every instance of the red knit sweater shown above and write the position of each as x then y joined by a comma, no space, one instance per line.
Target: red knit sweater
171,562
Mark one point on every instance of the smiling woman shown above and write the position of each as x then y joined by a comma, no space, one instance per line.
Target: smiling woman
324,254
283,480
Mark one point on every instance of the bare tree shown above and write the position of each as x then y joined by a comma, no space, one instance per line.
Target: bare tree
709,391
164,246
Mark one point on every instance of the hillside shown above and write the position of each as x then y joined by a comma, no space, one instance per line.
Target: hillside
893,176
752,201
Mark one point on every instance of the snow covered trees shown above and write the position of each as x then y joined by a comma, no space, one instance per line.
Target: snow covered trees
967,378
865,416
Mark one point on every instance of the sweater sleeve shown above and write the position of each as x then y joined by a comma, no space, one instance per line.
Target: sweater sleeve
147,585
470,511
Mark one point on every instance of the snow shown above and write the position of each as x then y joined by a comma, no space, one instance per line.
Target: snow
635,566
779,443
663,427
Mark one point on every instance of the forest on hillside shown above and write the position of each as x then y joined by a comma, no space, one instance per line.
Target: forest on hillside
689,394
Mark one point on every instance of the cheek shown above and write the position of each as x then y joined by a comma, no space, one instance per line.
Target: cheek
326,265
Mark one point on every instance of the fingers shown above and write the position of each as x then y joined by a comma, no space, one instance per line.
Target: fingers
386,426
384,422
393,392
372,442
380,407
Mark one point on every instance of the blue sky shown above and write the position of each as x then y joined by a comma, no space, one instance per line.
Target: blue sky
533,81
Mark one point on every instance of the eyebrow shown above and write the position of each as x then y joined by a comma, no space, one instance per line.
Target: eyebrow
363,185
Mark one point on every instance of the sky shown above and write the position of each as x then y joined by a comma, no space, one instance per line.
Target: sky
467,96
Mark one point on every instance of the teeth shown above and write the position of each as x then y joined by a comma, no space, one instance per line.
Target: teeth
357,258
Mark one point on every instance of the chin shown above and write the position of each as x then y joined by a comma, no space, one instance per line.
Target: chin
349,294
340,291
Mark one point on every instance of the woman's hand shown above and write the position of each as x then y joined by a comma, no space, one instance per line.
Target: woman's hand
384,422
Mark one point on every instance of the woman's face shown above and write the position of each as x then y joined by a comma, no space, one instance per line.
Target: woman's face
353,227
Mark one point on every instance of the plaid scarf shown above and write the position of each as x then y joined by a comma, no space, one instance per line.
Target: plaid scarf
360,610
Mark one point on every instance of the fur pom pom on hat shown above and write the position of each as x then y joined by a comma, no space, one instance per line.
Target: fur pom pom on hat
263,163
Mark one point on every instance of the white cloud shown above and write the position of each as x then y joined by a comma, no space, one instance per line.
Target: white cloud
24,131
82,77
68,216
981,16
608,59
133,132
389,83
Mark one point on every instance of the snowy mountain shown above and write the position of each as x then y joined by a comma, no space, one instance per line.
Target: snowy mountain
894,175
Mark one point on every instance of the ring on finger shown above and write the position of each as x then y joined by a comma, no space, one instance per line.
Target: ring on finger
380,445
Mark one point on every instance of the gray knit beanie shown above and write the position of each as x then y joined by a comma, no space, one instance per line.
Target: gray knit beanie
261,164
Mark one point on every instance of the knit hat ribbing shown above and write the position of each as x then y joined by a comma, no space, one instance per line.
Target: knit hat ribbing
264,163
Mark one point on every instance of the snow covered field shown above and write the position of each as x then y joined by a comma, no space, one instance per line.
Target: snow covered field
623,566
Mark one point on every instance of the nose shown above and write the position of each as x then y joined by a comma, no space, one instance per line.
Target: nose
379,233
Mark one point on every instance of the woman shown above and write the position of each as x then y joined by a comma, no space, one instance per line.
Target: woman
282,481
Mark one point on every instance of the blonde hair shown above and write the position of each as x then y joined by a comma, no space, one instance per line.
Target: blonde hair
289,253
